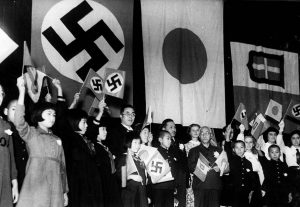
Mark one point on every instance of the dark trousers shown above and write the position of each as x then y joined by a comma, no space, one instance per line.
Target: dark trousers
207,197
134,195
241,198
181,189
163,197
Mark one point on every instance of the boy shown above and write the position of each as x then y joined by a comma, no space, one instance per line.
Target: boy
20,150
241,173
163,193
177,149
276,184
8,173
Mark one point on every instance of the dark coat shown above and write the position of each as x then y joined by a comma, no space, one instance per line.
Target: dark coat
241,172
116,140
8,170
213,180
20,153
277,181
111,190
84,178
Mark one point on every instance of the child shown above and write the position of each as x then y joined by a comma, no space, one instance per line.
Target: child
45,183
276,184
270,137
163,193
179,153
241,173
20,149
85,180
8,173
134,194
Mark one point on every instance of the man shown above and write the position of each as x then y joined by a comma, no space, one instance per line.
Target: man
116,136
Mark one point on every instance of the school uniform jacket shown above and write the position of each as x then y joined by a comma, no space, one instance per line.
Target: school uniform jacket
241,171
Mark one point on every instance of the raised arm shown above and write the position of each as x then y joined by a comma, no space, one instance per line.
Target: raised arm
19,121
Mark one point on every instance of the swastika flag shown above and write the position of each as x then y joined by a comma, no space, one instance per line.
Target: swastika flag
293,111
157,167
260,74
184,60
114,82
241,116
94,82
70,37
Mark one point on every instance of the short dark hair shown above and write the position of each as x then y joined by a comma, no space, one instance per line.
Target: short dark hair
297,131
270,129
129,137
273,146
237,142
75,116
124,107
165,122
162,133
39,108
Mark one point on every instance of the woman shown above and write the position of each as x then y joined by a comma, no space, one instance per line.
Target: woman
194,132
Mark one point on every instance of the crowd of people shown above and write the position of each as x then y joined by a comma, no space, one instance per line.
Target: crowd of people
54,155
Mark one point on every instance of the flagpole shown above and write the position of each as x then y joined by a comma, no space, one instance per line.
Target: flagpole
287,109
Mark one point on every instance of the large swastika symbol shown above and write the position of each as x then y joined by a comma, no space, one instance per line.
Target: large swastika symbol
114,83
84,40
97,84
296,110
156,166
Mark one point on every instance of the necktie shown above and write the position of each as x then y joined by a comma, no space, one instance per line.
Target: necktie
298,156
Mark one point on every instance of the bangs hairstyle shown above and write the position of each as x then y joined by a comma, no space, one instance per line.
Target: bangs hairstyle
138,128
129,137
39,108
270,129
75,116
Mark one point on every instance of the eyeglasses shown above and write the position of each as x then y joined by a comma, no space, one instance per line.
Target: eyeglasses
205,133
128,114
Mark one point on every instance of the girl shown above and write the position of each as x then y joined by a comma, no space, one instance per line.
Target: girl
8,173
145,134
45,182
194,132
134,194
85,180
106,166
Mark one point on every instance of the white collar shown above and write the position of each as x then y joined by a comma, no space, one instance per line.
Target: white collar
127,127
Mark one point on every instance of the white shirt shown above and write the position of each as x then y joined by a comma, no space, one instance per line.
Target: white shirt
290,154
